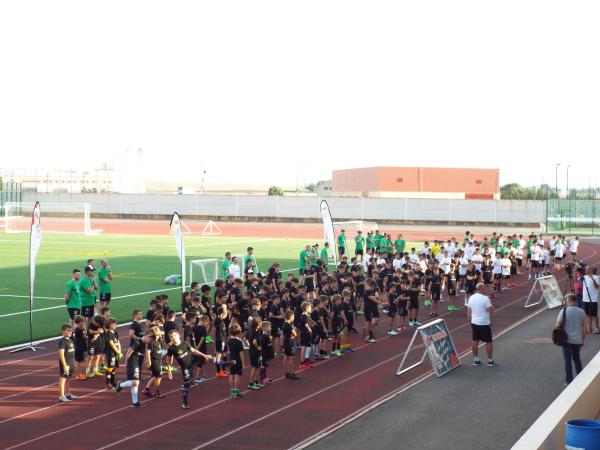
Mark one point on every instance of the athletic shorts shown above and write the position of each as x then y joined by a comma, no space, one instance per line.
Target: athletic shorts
413,303
590,308
74,312
288,348
133,373
552,253
186,374
403,308
87,311
535,264
559,258
506,277
254,359
80,355
236,370
220,347
62,373
358,252
337,327
573,253
199,361
105,297
371,312
520,262
481,333
112,362
156,370
497,276
392,309
305,339
342,250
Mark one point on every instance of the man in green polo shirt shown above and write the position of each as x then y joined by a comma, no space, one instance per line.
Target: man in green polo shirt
399,244
378,238
105,284
370,243
225,265
250,257
359,244
385,245
325,255
87,293
341,242
72,297
304,257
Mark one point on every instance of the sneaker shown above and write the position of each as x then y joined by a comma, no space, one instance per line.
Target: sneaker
253,386
89,375
342,352
98,373
259,384
237,395
222,375
71,397
110,387
118,388
138,405
198,380
81,377
265,381
491,363
147,393
185,406
305,366
102,368
63,399
416,323
350,350
338,352
292,376
392,333
476,362
410,323
309,362
371,340
157,394
209,340
426,303
462,291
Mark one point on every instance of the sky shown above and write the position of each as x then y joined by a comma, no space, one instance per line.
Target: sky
263,92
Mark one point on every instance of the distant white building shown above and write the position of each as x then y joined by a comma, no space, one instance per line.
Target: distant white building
324,188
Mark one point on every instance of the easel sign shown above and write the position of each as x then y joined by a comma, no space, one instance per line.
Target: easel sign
546,288
438,346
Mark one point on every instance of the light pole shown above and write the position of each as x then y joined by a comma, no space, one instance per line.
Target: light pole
556,181
569,198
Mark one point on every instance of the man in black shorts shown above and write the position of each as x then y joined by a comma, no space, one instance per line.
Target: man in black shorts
371,310
135,359
72,297
479,311
184,354
66,364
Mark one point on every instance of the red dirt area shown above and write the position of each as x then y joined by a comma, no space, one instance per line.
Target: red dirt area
286,230
282,415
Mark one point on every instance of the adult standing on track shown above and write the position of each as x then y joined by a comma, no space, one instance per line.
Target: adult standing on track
304,258
575,327
105,277
479,311
72,297
591,284
87,289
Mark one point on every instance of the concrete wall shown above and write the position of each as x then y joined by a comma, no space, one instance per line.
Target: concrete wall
306,208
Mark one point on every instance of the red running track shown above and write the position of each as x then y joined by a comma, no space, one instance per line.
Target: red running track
282,415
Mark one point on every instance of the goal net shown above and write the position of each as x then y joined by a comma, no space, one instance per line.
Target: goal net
353,226
72,218
209,228
204,271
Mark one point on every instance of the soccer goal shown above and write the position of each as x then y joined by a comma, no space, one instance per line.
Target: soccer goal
204,271
353,226
210,228
74,218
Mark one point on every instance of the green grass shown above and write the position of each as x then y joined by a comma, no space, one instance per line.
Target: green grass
139,264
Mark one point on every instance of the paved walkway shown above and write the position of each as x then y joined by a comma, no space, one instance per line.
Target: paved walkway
471,407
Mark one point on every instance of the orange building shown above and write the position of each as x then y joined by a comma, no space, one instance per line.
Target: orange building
417,182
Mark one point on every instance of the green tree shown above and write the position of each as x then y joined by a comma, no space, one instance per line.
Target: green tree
275,190
312,187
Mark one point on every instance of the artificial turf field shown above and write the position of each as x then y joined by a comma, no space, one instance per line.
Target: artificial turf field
139,265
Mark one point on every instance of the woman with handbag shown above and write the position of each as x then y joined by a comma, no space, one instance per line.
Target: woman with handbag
569,333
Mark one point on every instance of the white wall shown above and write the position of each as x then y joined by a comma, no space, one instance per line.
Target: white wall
395,209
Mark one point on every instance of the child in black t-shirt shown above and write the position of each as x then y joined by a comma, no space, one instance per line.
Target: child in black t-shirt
254,352
135,359
66,364
169,325
185,356
288,334
113,353
220,327
266,351
200,335
304,325
337,324
276,319
235,348
80,340
95,346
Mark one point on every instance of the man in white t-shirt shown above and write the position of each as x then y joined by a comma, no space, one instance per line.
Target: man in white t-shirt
477,259
463,265
497,270
536,253
559,254
445,263
574,245
234,268
479,311
591,285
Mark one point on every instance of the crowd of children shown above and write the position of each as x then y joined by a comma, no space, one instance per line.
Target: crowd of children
261,316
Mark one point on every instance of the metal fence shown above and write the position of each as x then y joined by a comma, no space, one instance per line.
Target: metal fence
573,216
9,192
